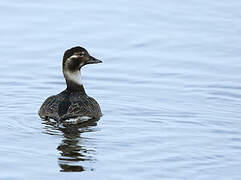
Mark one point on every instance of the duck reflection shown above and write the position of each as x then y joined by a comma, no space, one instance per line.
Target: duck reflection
73,148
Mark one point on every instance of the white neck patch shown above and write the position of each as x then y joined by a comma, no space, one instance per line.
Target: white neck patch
73,76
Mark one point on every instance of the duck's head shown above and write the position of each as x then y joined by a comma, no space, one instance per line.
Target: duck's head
73,60
77,57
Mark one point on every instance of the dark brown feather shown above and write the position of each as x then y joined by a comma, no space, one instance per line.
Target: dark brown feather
69,105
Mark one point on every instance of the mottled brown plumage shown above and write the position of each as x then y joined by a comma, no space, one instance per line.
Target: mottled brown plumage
72,102
69,105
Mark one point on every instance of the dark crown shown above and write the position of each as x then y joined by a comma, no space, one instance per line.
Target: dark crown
71,51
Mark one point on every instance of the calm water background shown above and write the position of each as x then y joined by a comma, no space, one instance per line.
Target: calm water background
169,89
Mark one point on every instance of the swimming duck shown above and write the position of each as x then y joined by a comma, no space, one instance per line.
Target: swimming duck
73,102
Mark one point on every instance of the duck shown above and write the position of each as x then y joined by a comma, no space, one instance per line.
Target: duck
72,104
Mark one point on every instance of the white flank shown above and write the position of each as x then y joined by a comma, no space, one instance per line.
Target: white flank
78,119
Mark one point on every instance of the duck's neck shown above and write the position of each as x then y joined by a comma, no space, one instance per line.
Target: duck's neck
73,81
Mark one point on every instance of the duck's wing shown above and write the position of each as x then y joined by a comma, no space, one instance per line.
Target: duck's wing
84,106
49,108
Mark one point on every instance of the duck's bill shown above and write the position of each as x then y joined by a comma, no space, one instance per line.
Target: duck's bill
93,60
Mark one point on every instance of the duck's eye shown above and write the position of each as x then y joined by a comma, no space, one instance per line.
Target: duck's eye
81,54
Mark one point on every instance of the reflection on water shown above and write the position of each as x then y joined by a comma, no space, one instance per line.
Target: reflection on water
73,150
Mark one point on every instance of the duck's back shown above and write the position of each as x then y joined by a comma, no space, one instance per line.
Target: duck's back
70,105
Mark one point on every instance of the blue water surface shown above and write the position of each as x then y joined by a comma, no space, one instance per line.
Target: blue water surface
169,89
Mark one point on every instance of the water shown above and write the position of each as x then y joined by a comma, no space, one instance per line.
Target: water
169,89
